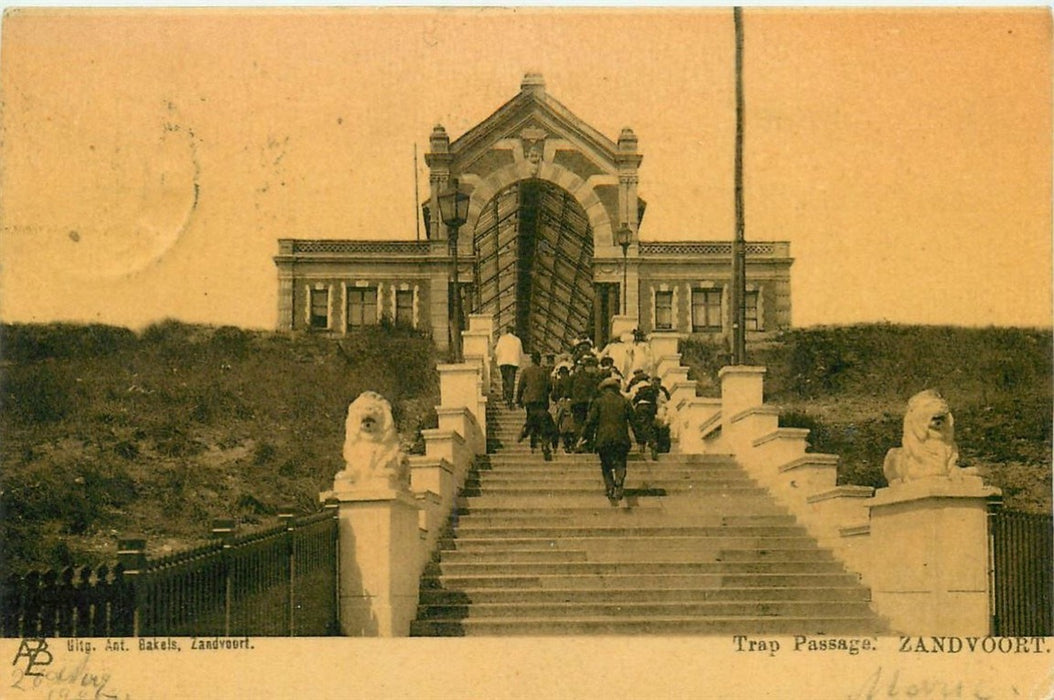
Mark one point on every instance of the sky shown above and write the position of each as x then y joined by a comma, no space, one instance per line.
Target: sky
152,158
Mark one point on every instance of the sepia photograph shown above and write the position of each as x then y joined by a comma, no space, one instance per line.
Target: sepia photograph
512,351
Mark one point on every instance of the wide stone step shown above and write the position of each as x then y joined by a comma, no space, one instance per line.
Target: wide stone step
468,529
633,488
564,462
648,580
649,514
620,516
670,609
702,501
628,625
649,506
604,542
751,595
523,451
634,454
558,470
516,556
584,480
679,552
597,568
564,466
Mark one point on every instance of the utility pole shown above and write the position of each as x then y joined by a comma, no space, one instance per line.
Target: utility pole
739,271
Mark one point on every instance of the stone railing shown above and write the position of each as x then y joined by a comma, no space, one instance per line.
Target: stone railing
350,247
387,535
922,547
723,249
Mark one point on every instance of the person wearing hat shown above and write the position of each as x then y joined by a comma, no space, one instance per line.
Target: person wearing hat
583,389
561,396
640,353
646,401
608,369
582,347
607,426
639,375
533,395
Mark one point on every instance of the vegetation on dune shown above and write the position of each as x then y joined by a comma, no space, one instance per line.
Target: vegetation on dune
849,386
107,433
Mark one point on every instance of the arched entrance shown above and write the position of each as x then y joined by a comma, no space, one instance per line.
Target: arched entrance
534,252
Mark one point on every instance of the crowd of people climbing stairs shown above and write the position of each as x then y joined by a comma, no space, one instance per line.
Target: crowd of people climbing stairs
585,400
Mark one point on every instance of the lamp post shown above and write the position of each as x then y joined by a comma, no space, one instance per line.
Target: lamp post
453,209
625,235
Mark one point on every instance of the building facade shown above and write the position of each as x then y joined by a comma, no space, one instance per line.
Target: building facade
540,250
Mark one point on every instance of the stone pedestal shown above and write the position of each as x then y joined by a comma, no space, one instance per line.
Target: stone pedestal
622,324
664,344
448,445
379,562
483,323
476,347
929,555
459,387
462,421
742,387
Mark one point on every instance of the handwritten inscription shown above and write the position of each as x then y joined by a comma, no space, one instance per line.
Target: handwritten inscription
67,682
898,684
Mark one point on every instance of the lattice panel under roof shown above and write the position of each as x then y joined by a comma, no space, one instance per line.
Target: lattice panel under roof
535,253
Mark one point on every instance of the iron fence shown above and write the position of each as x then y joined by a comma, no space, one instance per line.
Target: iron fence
281,581
1021,546
75,602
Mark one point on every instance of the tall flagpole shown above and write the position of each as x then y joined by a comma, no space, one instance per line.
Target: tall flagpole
739,272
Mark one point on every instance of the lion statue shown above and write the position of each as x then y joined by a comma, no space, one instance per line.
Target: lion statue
928,446
372,456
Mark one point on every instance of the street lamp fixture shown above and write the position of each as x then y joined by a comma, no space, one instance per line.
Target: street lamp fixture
453,209
625,236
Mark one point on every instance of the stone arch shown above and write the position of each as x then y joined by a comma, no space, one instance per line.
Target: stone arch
583,192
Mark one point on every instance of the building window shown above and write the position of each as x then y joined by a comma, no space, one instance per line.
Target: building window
706,310
362,307
663,310
320,308
753,323
404,308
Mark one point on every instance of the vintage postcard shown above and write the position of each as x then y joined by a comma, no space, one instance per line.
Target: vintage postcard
526,352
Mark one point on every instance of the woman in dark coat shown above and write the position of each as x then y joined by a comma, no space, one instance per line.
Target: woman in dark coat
607,426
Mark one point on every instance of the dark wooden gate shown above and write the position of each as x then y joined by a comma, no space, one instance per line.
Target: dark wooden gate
1021,574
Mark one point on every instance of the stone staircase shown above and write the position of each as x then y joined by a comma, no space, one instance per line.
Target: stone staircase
695,547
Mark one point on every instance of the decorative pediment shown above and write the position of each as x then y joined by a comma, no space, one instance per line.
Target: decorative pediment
529,121
534,136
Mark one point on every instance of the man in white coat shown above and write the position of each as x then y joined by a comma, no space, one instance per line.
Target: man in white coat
507,354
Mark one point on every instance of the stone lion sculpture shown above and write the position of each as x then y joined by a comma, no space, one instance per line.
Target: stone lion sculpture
372,456
928,446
